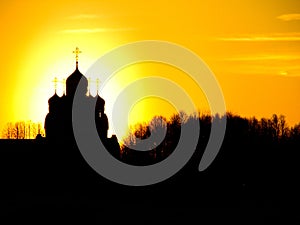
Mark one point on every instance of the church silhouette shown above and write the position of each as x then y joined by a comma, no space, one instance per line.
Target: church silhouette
58,122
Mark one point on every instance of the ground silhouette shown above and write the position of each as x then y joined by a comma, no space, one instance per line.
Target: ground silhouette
257,167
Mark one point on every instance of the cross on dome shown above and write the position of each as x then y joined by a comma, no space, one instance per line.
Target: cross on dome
97,85
55,84
77,52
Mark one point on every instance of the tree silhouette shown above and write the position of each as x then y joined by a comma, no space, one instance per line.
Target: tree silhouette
22,130
242,136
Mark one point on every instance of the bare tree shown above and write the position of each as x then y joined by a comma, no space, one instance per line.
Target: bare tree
22,130
8,131
283,128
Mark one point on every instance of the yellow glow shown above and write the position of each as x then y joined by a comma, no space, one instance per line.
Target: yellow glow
252,46
144,108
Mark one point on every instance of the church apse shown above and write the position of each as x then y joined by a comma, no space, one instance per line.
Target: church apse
58,122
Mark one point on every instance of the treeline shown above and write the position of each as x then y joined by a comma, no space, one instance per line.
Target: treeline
22,130
241,133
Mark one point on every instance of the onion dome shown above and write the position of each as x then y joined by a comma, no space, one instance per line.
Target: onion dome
100,104
100,101
54,103
54,99
72,83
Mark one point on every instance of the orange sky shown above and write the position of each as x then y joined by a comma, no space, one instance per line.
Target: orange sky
252,46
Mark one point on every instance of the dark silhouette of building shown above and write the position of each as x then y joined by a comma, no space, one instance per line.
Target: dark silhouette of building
58,122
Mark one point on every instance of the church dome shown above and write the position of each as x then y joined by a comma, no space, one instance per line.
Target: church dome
54,103
100,101
72,83
54,99
100,104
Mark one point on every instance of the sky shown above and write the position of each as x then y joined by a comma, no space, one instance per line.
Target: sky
252,47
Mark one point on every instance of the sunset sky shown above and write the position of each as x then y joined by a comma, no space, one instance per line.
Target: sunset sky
252,46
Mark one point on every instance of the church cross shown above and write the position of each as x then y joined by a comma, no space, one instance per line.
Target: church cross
89,86
77,52
55,84
64,85
97,85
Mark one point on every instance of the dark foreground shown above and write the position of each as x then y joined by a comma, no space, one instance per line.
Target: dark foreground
40,179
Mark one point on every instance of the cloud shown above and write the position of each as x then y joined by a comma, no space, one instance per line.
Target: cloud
267,37
83,16
289,17
263,57
263,64
94,30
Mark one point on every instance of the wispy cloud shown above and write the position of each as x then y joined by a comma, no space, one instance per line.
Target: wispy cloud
83,16
94,30
266,37
264,64
289,17
263,57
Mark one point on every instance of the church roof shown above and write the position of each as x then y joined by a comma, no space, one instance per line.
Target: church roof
76,75
100,100
54,98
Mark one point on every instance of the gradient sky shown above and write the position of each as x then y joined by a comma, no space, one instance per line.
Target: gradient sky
252,46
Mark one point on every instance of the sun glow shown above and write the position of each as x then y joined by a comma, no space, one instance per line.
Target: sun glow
136,109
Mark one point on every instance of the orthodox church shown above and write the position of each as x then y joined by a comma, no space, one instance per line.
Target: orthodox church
58,122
